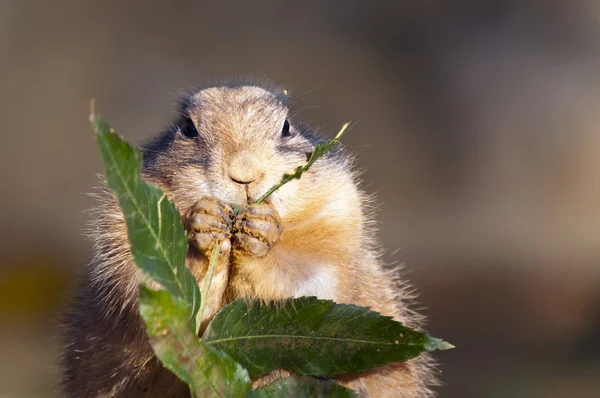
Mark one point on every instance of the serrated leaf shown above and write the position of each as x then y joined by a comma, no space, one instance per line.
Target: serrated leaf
312,337
319,151
158,241
302,387
206,370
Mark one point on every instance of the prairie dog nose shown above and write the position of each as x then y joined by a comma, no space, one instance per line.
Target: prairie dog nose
245,168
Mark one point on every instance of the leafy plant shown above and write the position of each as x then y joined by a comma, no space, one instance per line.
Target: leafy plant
307,336
312,337
158,241
206,370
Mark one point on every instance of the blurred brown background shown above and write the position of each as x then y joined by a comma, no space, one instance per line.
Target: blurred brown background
477,123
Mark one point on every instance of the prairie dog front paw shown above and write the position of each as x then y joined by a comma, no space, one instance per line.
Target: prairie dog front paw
257,228
208,221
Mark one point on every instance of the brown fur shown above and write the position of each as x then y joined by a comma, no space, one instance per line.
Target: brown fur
326,248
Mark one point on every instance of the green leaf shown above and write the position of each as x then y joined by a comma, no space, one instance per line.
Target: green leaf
312,337
158,241
302,387
206,370
319,151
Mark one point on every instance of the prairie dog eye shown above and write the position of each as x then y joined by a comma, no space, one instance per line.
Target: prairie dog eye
189,129
285,131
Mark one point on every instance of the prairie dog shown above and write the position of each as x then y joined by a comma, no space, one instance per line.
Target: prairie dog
312,237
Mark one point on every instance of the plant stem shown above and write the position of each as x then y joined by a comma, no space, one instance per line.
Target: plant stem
206,286
269,192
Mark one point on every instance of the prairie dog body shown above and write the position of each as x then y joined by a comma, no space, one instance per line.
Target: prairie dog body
313,237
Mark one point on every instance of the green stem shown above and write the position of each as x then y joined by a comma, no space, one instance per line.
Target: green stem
206,286
269,192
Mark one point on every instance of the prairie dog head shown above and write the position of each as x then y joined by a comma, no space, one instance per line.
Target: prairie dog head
233,143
